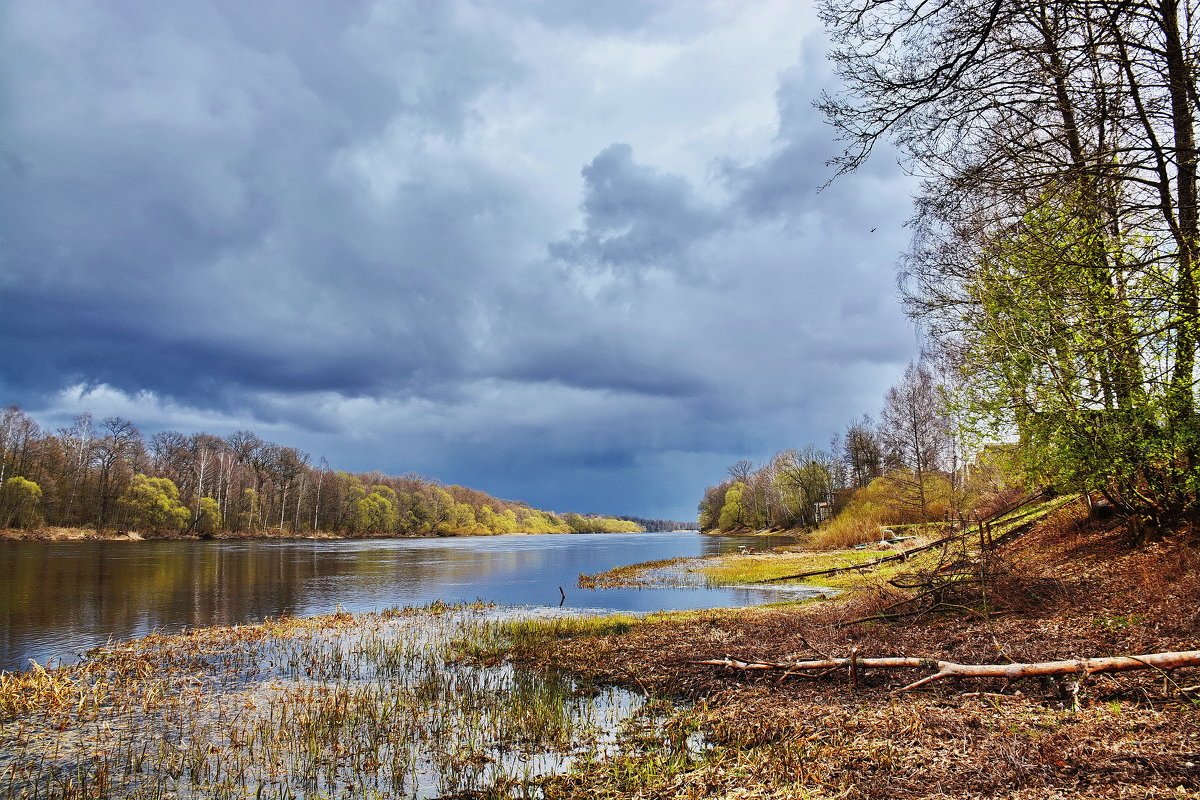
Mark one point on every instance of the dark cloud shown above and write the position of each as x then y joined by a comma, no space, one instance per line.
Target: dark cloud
363,228
635,216
191,216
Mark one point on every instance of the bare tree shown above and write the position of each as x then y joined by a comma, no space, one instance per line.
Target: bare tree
17,432
915,431
118,450
862,452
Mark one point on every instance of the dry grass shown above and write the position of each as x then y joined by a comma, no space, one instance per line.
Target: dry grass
1073,587
849,528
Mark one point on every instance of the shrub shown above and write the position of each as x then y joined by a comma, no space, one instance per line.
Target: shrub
153,504
19,501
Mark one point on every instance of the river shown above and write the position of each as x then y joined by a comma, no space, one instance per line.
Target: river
59,599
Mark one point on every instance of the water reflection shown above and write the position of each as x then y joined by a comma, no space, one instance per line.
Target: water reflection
59,599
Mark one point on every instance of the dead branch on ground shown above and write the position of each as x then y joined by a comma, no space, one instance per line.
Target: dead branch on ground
950,669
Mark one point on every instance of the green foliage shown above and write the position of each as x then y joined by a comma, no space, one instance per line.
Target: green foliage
504,522
530,520
708,515
20,499
153,504
731,512
208,518
581,524
376,512
1056,350
462,518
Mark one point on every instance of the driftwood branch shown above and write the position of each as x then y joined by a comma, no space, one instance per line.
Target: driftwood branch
949,669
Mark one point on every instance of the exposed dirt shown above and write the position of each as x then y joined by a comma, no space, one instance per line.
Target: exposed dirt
1070,588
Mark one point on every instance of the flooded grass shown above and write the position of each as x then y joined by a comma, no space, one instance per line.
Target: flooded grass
520,636
402,703
646,573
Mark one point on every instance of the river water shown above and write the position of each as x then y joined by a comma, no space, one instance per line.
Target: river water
60,599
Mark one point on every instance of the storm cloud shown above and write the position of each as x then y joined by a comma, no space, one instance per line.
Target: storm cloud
571,253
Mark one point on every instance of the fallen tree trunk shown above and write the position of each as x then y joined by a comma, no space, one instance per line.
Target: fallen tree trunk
949,669
865,565
905,555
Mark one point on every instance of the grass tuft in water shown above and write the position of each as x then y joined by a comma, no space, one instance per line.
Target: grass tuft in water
394,704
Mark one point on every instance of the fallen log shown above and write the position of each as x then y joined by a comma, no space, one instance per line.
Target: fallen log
949,669
865,565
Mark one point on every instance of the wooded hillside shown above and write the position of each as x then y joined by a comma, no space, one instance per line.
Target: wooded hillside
107,475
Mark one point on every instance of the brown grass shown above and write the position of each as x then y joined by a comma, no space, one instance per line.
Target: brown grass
848,529
1073,587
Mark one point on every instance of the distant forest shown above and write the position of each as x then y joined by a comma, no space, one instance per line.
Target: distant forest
661,525
106,475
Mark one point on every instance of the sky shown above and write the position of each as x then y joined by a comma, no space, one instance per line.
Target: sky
569,252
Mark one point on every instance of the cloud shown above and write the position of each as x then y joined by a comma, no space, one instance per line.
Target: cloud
635,216
566,252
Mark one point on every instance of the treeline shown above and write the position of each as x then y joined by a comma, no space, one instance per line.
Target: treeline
905,468
1055,266
661,525
107,475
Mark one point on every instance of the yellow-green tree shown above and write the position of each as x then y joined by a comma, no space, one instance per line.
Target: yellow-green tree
208,517
731,512
153,504
376,512
20,499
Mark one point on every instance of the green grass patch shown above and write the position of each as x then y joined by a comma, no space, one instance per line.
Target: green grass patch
1028,514
735,570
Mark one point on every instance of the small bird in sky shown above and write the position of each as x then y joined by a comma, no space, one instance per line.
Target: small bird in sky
872,230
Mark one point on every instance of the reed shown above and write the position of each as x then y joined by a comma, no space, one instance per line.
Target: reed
392,704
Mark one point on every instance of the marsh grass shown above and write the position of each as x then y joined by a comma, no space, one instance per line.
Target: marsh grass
520,638
642,574
391,704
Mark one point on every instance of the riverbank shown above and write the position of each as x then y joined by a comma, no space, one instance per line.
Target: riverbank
1068,587
55,534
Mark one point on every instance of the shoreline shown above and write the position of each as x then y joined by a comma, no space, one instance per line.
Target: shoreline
1071,587
92,535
